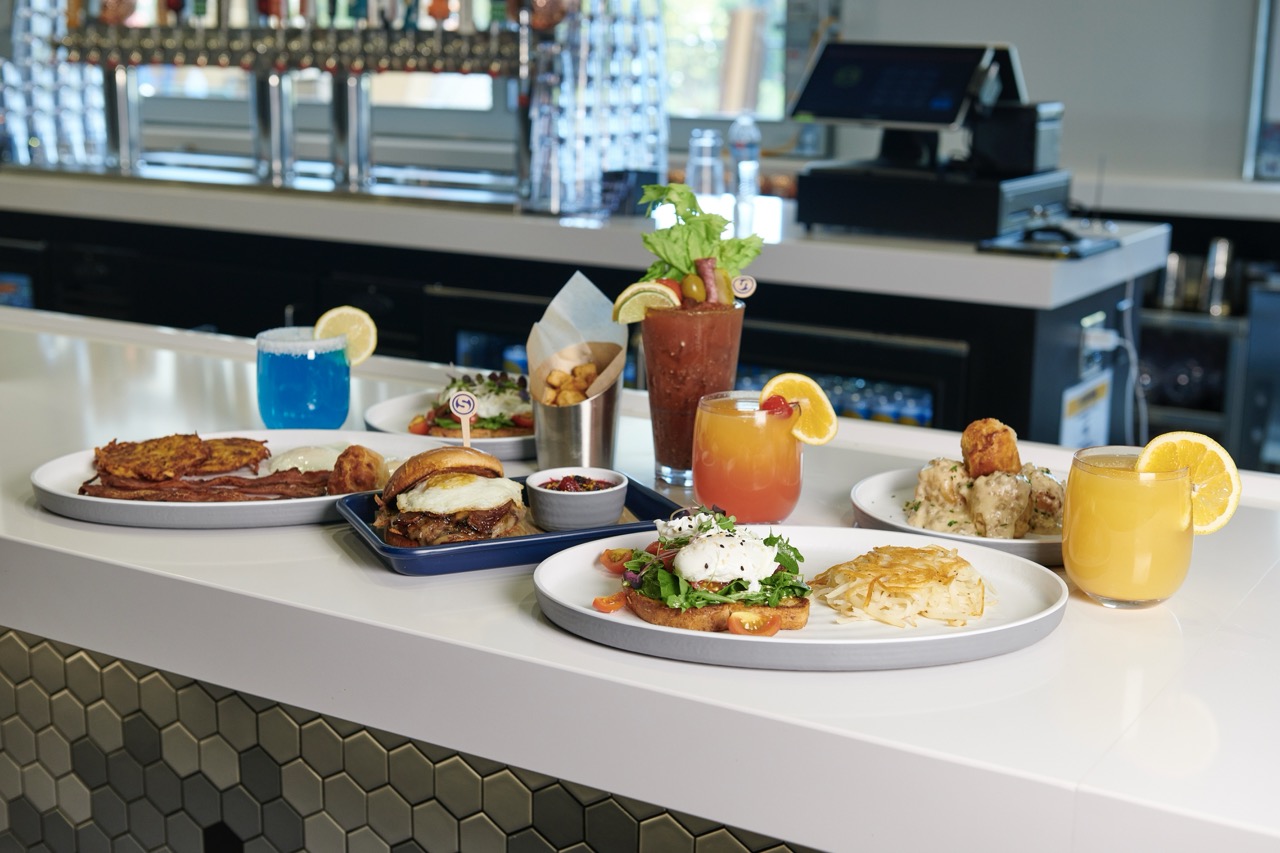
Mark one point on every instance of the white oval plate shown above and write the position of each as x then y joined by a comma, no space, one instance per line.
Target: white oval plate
1030,604
57,484
394,415
878,503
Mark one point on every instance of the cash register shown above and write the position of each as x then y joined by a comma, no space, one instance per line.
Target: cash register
1005,189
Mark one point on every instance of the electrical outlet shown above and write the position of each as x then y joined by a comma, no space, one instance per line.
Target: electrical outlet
1092,359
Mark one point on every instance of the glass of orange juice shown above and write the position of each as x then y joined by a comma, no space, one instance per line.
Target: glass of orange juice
1126,536
745,459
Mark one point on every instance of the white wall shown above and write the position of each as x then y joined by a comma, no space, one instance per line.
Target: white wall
1156,87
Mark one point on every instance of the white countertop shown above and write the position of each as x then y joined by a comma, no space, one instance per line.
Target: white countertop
947,270
1150,730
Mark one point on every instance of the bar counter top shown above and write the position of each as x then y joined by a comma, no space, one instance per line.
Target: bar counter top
1151,730
864,263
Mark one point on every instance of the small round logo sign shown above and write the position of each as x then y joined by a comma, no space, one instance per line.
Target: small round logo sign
743,286
463,405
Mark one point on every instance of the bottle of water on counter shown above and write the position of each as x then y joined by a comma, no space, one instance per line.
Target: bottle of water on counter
744,148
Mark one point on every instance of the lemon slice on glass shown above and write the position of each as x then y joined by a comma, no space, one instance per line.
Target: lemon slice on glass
357,325
817,423
634,302
1215,482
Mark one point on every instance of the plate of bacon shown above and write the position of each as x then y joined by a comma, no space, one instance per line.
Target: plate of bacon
251,478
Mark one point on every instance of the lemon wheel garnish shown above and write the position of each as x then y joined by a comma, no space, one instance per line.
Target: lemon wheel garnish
357,325
1215,482
817,422
634,302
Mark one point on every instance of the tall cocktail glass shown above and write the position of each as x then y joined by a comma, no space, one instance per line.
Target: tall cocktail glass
303,382
745,459
1126,536
688,353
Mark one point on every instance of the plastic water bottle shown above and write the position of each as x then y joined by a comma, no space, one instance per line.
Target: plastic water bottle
744,148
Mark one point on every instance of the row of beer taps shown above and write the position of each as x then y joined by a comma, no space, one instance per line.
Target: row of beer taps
382,36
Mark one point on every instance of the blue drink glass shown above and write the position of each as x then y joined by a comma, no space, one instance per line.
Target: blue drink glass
303,383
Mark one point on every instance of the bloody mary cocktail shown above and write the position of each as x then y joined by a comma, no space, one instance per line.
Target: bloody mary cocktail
688,353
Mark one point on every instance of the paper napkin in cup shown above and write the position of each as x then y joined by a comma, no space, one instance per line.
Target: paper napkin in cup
577,328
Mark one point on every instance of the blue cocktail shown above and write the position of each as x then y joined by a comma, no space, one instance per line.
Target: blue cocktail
303,383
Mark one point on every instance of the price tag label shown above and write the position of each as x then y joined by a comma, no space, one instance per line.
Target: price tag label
743,286
463,405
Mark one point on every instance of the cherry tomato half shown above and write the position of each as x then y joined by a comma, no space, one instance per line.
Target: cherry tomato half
419,425
753,623
671,283
667,557
610,603
524,420
615,559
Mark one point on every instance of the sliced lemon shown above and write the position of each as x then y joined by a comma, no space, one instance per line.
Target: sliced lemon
817,423
357,325
1215,482
634,302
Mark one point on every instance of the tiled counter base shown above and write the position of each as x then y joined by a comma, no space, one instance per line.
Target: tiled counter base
100,754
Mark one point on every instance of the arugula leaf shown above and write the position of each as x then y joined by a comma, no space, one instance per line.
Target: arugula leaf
674,591
695,235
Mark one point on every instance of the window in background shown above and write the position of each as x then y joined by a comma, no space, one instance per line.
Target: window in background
1262,139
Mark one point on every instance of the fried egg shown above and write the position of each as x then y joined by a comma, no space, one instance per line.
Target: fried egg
457,492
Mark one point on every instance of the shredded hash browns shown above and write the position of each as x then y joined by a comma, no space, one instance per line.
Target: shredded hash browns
898,585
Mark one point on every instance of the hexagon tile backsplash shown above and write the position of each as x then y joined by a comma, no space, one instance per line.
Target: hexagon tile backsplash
101,754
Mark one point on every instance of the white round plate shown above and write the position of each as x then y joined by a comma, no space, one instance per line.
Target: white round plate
394,415
1030,601
57,484
878,503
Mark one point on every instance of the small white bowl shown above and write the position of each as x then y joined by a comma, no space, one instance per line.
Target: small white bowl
557,510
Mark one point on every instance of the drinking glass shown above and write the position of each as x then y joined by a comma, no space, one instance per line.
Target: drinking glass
745,459
1126,536
688,353
303,383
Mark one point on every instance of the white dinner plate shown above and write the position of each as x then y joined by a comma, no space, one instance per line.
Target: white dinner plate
1030,601
57,484
878,503
394,415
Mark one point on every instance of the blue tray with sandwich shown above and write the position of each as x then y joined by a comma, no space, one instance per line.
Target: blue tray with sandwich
641,507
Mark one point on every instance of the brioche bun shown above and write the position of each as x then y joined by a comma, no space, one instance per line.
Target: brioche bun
793,612
415,469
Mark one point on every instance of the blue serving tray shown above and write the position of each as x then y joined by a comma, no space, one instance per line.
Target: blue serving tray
359,510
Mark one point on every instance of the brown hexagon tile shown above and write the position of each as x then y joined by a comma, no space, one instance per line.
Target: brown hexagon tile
158,698
559,817
120,687
18,739
346,801
458,787
84,677
610,827
321,747
67,714
411,773
435,828
15,657
323,835
33,704
73,798
479,833
390,816
365,760
507,802
53,751
301,787
279,734
180,749
219,762
665,833
47,668
39,787
197,710
237,722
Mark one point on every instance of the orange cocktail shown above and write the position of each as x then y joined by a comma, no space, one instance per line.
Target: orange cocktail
1126,536
746,461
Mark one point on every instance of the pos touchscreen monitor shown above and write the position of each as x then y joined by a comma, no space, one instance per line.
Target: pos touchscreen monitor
923,87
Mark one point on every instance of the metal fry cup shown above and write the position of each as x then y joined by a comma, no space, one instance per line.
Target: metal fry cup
581,434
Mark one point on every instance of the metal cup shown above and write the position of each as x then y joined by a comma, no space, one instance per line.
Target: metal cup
582,434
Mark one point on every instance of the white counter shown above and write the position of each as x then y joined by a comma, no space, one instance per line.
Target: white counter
1120,731
953,271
